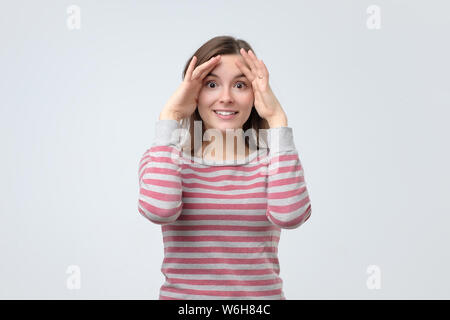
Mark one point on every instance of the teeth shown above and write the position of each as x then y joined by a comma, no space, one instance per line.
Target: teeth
224,113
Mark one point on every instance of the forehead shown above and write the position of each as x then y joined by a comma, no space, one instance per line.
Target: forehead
227,68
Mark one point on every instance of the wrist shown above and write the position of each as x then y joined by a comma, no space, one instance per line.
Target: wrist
277,121
168,115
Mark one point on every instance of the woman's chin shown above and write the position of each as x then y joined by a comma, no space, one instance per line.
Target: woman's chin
223,126
227,126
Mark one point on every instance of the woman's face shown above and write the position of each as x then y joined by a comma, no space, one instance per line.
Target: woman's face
225,88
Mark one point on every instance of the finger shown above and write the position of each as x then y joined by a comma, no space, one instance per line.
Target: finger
199,70
246,71
259,69
249,61
265,71
188,74
208,68
262,70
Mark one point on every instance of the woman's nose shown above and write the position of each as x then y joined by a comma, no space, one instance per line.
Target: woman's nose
225,96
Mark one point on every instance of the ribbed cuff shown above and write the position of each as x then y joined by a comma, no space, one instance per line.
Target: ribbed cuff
280,139
167,132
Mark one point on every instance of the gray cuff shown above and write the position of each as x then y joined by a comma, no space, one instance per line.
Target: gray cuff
280,139
167,132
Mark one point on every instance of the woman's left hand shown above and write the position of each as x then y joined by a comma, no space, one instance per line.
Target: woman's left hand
266,104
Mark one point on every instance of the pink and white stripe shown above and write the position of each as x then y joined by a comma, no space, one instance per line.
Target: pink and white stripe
221,224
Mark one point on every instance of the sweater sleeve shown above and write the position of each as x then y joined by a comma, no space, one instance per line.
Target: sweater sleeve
288,204
160,188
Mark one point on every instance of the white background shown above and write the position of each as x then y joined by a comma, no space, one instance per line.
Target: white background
369,111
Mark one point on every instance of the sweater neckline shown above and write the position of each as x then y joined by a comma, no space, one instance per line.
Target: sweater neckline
230,162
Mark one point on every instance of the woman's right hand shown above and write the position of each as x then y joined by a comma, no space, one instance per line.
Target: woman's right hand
183,102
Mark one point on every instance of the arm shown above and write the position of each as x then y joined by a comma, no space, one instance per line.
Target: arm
160,176
288,204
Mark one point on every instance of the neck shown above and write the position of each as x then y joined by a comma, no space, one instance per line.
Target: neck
233,149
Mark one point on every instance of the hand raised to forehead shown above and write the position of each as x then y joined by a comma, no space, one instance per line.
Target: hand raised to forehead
257,73
202,70
266,104
183,102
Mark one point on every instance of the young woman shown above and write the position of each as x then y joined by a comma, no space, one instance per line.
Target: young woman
222,208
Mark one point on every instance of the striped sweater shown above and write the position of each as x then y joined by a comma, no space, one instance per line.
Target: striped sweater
221,221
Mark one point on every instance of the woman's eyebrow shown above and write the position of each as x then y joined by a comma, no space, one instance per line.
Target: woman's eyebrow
215,75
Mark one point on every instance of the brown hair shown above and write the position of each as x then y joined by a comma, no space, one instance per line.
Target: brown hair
223,45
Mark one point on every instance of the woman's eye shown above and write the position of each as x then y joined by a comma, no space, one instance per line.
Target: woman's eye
240,82
207,83
243,83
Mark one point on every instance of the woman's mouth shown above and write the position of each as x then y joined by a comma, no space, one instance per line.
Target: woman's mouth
226,115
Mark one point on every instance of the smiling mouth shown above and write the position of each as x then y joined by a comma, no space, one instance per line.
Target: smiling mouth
226,115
